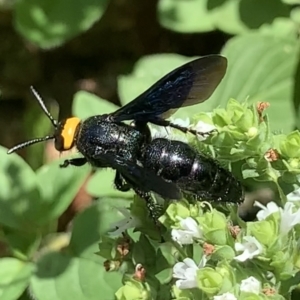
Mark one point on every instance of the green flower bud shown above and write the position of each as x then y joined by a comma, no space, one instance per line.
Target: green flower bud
209,280
290,147
264,231
214,227
252,132
223,252
180,208
234,105
226,271
245,120
223,139
218,237
221,118
214,220
132,290
181,294
283,265
195,210
236,135
294,163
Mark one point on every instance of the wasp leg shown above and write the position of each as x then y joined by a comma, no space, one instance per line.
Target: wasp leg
121,183
78,162
155,210
165,123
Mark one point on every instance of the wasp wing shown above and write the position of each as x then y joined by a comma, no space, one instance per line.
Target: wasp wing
144,179
189,84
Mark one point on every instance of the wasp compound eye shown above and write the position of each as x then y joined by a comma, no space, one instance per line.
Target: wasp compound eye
65,134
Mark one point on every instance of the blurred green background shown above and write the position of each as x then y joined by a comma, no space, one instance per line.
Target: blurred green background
116,48
87,57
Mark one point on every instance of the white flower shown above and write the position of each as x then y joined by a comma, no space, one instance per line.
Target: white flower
128,222
265,211
294,196
189,230
181,122
160,131
170,132
251,247
203,129
250,285
226,296
288,218
186,272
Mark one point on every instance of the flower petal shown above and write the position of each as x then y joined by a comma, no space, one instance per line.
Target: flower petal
226,296
251,285
182,237
191,225
186,284
294,196
179,270
190,263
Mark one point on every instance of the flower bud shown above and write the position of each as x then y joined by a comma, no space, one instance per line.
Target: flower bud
290,147
209,280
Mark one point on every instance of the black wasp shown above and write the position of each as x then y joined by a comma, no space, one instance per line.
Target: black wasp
146,164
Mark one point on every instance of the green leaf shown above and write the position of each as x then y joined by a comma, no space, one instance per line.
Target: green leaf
14,277
165,276
102,185
53,22
19,193
165,256
22,244
231,16
59,187
144,253
96,220
86,104
295,15
27,201
185,16
260,68
62,277
236,17
291,2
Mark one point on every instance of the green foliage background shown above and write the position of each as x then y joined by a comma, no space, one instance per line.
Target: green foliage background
90,57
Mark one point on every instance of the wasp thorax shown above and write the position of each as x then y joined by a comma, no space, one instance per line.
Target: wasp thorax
65,134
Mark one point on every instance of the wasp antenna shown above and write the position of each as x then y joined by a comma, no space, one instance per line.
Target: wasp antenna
28,143
43,106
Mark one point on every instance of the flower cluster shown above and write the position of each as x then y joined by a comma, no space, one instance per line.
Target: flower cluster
270,241
201,253
205,256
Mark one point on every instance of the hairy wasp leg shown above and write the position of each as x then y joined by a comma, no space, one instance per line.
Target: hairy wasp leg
165,123
155,210
121,183
78,162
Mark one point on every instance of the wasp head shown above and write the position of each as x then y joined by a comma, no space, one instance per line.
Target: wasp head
64,134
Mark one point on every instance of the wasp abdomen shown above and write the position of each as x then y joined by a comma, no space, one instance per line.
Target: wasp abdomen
193,172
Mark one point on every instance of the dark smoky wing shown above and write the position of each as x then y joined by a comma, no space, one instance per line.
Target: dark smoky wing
144,179
191,83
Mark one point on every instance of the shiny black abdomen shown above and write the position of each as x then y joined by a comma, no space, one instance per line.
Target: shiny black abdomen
193,172
97,135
